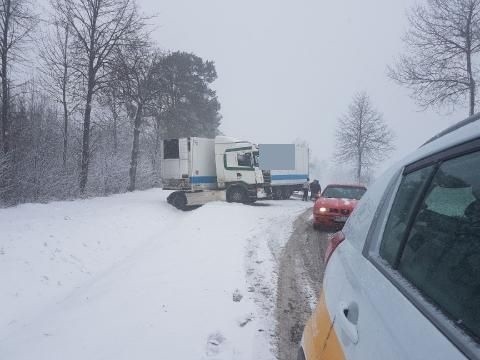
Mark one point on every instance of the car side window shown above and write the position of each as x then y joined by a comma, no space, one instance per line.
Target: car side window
439,253
408,194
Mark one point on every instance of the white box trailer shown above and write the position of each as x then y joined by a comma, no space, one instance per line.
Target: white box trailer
285,182
203,170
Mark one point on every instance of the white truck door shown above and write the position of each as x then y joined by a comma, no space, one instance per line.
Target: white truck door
184,150
175,163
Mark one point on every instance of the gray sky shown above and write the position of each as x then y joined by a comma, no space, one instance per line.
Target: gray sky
288,69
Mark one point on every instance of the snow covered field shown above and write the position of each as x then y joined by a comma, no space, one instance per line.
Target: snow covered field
130,277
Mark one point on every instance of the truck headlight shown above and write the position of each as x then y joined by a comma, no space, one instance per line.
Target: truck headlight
322,210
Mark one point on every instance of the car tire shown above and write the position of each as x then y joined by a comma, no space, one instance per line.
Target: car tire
317,226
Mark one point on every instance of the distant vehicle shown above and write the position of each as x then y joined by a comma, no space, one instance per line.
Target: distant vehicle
203,170
333,207
285,182
402,279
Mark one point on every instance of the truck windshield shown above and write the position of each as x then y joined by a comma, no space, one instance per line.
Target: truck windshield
256,155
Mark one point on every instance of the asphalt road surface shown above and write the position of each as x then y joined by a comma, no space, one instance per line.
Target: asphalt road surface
299,284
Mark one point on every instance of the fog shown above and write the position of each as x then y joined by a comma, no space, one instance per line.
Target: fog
287,70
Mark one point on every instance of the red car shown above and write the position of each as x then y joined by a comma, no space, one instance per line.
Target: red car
335,204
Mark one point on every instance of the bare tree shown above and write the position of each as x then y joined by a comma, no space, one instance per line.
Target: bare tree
16,24
110,99
98,27
362,136
442,42
61,79
138,75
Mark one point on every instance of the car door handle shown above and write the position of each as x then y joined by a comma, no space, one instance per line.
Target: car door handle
347,324
239,175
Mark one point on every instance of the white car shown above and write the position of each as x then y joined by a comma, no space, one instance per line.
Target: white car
402,279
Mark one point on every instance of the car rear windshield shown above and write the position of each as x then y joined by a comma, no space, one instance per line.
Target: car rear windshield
344,192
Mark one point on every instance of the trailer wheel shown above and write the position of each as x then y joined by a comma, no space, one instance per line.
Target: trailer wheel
236,194
286,194
277,193
180,201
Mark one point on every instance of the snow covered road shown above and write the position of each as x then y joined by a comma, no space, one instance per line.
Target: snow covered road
129,277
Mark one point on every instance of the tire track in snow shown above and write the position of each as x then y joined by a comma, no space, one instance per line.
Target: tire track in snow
299,284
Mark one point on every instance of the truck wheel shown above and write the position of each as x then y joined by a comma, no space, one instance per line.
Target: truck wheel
277,193
180,201
285,194
236,194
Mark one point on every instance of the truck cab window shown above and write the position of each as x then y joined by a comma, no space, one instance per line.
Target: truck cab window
171,149
244,159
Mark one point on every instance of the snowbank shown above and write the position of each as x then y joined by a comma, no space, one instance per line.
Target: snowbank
129,277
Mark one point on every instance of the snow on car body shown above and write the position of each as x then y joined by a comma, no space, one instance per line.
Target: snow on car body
402,279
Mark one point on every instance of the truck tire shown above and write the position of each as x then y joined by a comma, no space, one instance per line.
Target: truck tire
236,194
180,201
286,194
277,193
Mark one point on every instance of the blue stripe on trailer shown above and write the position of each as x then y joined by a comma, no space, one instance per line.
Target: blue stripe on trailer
290,177
203,179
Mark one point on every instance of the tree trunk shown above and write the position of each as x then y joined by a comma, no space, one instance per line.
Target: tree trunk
88,111
5,94
64,99
5,103
86,139
359,167
471,81
135,148
65,131
472,97
359,144
115,135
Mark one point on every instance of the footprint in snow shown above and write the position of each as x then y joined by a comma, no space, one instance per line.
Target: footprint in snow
214,343
237,296
245,320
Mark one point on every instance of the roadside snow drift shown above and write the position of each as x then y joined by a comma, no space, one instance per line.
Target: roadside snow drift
130,277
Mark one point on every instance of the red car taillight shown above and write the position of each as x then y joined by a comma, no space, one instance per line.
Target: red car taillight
336,240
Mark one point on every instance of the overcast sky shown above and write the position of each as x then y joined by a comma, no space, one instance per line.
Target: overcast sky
288,69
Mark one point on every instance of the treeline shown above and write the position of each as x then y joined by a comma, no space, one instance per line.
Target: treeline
102,95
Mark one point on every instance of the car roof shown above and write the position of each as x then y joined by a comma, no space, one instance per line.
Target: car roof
455,127
347,185
461,132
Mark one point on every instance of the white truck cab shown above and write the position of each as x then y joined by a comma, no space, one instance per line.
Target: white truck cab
203,170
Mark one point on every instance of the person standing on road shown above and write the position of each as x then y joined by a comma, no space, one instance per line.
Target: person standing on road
306,186
315,188
312,189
